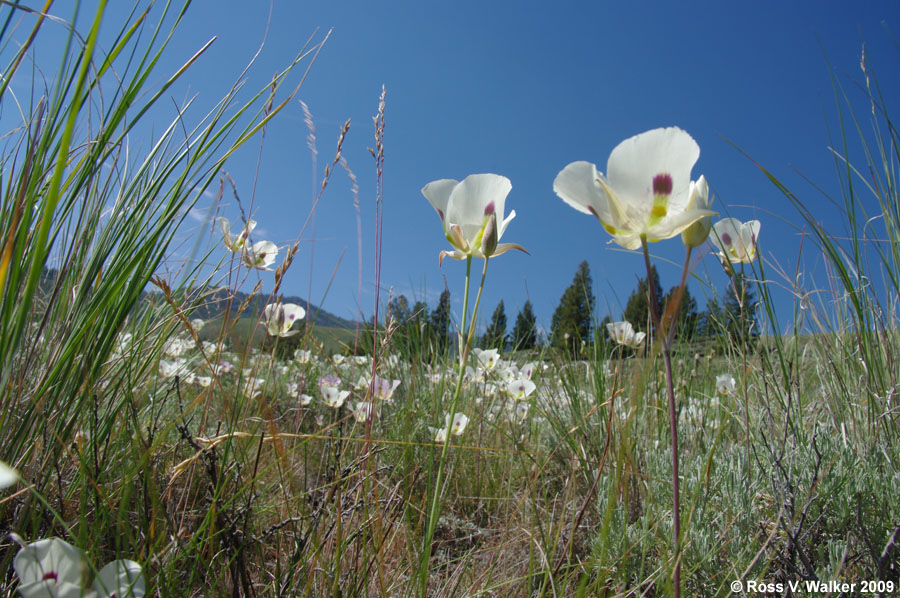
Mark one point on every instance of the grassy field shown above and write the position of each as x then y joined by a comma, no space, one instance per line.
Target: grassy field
231,462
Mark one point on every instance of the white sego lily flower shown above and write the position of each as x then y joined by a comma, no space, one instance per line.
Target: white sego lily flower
736,241
50,567
334,396
280,318
646,190
458,426
384,389
623,333
520,389
363,411
237,243
528,369
56,569
439,435
261,255
725,384
253,387
470,211
487,358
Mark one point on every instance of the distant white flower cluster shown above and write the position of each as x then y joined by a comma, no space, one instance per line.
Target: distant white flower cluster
259,255
279,318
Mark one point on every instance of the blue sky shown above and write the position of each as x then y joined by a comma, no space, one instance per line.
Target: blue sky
522,89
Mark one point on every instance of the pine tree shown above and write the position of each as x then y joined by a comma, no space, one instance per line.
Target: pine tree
495,334
524,334
440,322
419,316
571,323
637,309
688,318
709,323
417,329
398,309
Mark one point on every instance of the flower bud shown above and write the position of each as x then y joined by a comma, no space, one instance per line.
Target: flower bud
697,233
489,236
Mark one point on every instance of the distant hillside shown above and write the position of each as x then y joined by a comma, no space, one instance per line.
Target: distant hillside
216,304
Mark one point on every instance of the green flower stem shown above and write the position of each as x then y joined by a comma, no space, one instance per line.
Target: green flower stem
465,341
741,301
740,296
465,356
673,417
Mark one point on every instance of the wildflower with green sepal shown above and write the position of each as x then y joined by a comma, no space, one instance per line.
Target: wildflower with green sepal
736,241
472,215
237,243
623,333
261,255
468,211
279,318
646,191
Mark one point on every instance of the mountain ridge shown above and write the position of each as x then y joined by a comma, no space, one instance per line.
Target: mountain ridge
218,299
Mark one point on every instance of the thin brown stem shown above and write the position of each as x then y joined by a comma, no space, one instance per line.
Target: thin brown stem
677,298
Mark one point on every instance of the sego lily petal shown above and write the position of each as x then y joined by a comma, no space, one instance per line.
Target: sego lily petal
646,191
438,195
121,579
471,213
8,476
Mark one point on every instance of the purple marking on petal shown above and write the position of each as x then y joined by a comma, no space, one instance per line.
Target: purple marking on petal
51,575
440,213
594,212
292,316
726,238
662,184
489,209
